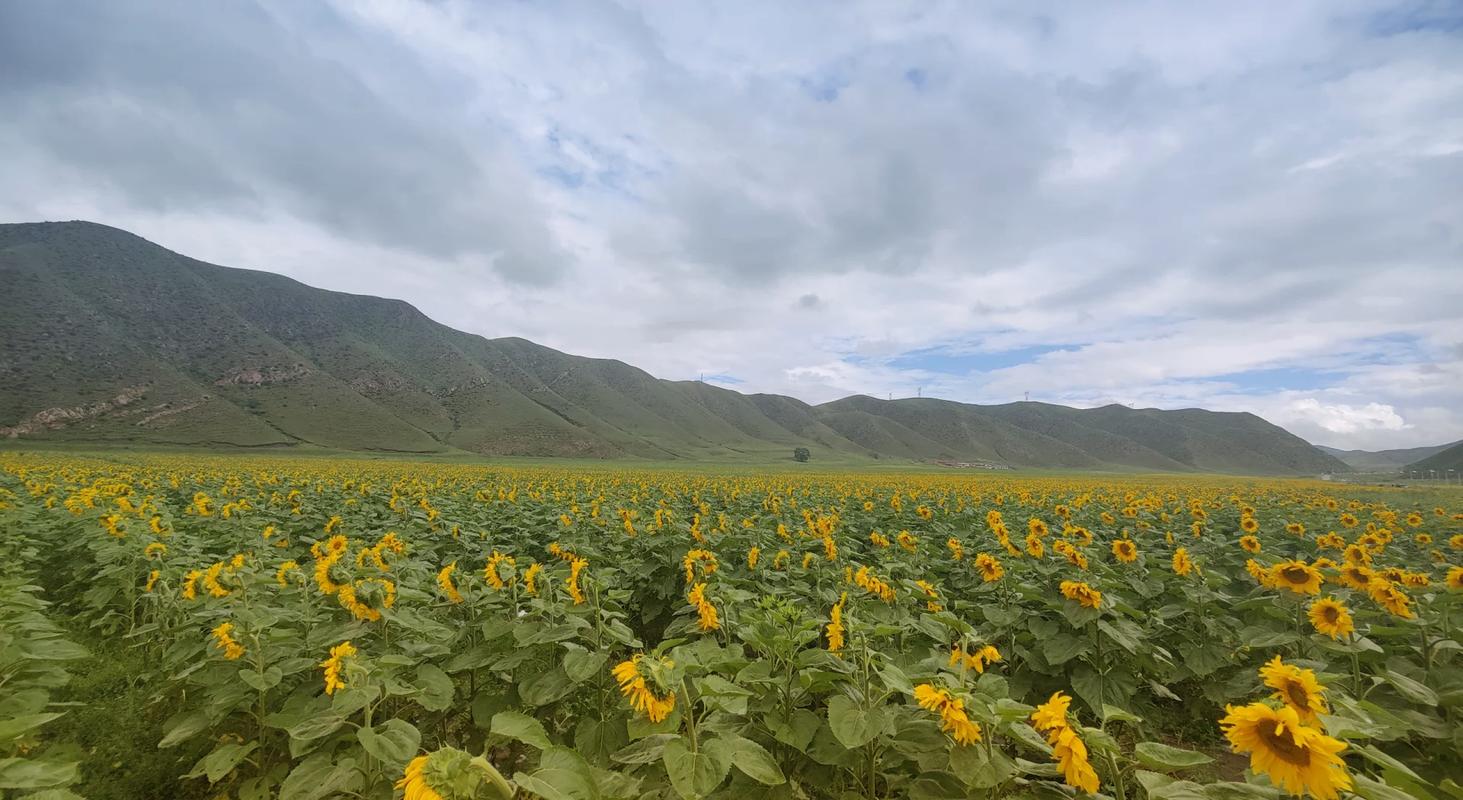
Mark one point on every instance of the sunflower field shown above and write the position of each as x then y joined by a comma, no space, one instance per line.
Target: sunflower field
307,628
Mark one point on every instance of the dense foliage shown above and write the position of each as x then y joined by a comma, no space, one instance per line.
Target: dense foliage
347,628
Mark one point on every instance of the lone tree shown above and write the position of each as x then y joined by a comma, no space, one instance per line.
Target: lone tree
801,454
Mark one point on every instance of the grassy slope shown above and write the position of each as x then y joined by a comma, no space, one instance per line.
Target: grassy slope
245,358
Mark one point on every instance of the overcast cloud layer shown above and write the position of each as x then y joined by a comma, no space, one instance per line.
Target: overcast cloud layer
1254,206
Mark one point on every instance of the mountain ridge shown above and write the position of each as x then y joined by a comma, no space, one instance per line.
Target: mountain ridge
111,338
1391,460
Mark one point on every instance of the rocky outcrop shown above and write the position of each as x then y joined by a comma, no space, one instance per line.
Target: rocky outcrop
61,416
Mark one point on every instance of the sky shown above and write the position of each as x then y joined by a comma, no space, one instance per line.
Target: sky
1242,206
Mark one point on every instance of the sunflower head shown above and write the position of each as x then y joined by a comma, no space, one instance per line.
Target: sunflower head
1297,688
1299,758
451,774
1331,618
1455,579
1297,576
1125,551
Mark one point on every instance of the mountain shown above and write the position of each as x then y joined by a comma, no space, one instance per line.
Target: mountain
1383,460
1450,458
106,337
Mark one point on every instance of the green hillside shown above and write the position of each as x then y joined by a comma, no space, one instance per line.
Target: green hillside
1384,460
1450,458
110,338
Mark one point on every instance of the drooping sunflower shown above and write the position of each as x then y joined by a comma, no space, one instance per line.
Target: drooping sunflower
1297,576
1388,596
951,710
1081,593
444,582
451,774
835,628
1297,688
335,665
634,686
1124,550
1330,617
1296,757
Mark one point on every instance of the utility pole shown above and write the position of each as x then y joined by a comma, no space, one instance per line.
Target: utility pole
1028,396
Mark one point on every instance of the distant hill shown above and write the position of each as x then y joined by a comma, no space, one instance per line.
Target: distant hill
106,337
1383,460
1441,461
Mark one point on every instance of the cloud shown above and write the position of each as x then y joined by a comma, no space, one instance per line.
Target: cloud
1135,203
1345,419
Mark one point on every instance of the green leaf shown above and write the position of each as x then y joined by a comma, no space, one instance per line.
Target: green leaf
29,773
979,770
1376,790
1112,713
16,726
581,665
435,688
1155,755
1411,689
184,729
55,650
597,740
268,680
318,777
221,761
316,727
545,688
795,730
1064,647
395,741
852,725
644,751
521,727
754,761
694,773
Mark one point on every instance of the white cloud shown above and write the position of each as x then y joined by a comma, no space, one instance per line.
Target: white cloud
1171,195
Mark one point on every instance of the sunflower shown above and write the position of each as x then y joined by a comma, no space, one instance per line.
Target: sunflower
634,686
223,639
1356,576
334,665
1249,524
1182,564
1330,617
1348,520
1296,757
1297,576
444,582
706,614
1124,550
1036,527
1295,529
1250,544
1068,749
1388,596
835,625
450,774
1052,713
990,567
1297,688
1081,593
1455,579
951,710
1034,546
1070,754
